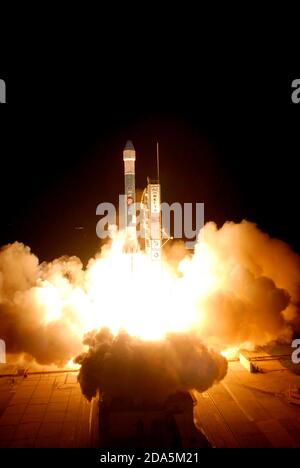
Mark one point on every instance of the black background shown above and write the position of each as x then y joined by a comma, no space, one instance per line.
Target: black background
227,128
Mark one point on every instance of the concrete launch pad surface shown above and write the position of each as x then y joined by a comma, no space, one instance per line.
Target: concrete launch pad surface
251,410
45,410
244,410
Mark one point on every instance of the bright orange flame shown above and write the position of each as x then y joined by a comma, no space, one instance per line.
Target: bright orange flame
231,353
129,292
124,291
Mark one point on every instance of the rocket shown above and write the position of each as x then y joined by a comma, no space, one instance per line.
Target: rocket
130,214
150,204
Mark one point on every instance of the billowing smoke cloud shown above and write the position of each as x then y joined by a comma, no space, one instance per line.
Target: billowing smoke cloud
29,292
147,371
257,294
240,286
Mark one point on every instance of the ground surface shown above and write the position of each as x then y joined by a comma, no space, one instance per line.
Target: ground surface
251,410
244,410
45,410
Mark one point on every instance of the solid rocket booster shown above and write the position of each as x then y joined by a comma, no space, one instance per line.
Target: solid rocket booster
129,171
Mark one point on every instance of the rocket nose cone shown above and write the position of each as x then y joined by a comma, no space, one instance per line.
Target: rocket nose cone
129,145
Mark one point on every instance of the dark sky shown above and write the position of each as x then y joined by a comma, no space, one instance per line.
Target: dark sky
229,137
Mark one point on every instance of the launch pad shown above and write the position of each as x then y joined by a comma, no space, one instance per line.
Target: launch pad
252,410
244,410
44,409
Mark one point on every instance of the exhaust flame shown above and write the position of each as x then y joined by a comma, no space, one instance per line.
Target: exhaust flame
231,353
239,286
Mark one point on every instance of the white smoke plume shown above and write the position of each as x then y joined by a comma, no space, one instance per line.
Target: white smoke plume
240,286
256,298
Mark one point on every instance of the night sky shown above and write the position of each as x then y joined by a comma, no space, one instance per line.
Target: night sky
228,134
